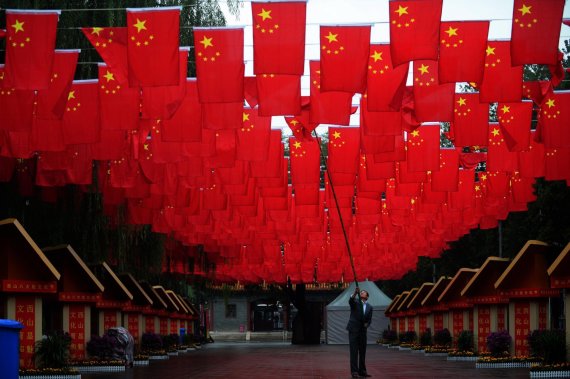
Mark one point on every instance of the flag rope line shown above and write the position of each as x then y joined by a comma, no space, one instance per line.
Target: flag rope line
337,207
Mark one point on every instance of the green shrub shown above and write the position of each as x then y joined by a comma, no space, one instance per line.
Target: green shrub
550,345
442,337
408,337
426,338
465,341
52,351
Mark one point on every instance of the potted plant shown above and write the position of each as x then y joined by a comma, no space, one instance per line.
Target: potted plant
426,338
51,357
465,345
499,343
550,347
151,345
441,343
389,337
407,339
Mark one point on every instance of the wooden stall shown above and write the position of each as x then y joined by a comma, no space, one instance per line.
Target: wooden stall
391,313
158,309
400,318
415,306
166,320
77,291
525,282
27,277
408,313
133,315
116,297
431,304
489,307
459,311
559,272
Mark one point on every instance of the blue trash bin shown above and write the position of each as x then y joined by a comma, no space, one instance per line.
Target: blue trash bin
10,342
182,334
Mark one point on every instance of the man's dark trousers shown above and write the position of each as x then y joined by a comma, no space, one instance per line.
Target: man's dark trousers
357,341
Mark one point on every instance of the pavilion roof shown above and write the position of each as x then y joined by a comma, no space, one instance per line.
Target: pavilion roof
433,295
157,300
115,289
416,302
76,276
170,304
453,290
406,303
393,303
559,270
140,297
483,282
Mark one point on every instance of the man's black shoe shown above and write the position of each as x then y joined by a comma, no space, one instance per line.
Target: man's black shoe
365,375
355,375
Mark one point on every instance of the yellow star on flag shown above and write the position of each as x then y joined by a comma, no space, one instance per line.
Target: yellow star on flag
424,69
207,42
245,117
506,109
461,101
18,26
297,145
415,133
525,9
451,31
376,56
401,10
332,37
140,25
71,95
336,135
490,50
550,103
109,76
265,14
96,31
495,132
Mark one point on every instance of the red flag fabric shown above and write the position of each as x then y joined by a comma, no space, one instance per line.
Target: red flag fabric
219,64
152,46
30,47
462,51
16,106
531,161
47,135
253,136
113,144
432,101
331,107
499,158
398,154
535,31
344,58
499,69
385,84
279,94
111,44
343,152
556,164
379,123
119,105
279,37
300,125
305,161
186,124
447,178
51,101
218,116
414,30
81,118
515,120
423,148
470,120
554,120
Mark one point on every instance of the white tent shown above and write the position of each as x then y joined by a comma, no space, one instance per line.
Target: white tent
338,313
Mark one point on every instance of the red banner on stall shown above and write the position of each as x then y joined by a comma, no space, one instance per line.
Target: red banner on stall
542,315
423,323
77,330
483,327
457,322
133,326
109,319
149,324
411,323
26,315
163,326
522,327
501,318
437,321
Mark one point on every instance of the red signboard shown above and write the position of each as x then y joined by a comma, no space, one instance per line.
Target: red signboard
522,327
149,324
30,286
109,320
26,314
82,297
501,318
560,282
163,326
437,321
531,292
133,326
77,330
483,326
542,315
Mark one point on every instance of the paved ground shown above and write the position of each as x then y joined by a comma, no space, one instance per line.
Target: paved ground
279,360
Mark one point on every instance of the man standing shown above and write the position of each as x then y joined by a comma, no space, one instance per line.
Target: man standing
360,318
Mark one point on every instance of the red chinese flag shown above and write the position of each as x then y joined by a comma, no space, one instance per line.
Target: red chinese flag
432,101
344,58
218,116
536,31
470,120
498,69
30,44
531,161
300,125
343,150
331,107
556,164
379,123
47,135
51,101
398,154
81,117
499,158
372,144
279,37
219,64
305,161
423,148
119,105
554,120
113,144
279,94
16,106
186,124
253,136
385,84
111,44
447,178
515,120
462,51
414,30
152,46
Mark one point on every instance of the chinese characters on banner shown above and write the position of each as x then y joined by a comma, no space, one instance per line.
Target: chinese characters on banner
77,330
423,323
109,319
393,324
438,321
522,327
26,314
542,315
501,317
402,325
149,324
484,327
133,325
457,322
174,326
163,326
411,323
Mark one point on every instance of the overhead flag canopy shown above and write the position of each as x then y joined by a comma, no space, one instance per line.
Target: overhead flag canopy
394,150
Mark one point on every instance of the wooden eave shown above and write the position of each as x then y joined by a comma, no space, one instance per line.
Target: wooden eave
561,265
171,305
193,310
77,277
393,303
436,290
140,297
22,257
420,295
402,300
158,302
528,269
409,299
175,300
114,288
483,282
453,290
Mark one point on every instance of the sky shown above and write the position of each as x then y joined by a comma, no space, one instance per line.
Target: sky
375,12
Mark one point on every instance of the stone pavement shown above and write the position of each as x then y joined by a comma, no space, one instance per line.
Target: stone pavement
283,360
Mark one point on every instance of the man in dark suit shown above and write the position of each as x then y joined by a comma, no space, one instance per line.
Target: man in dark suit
360,318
